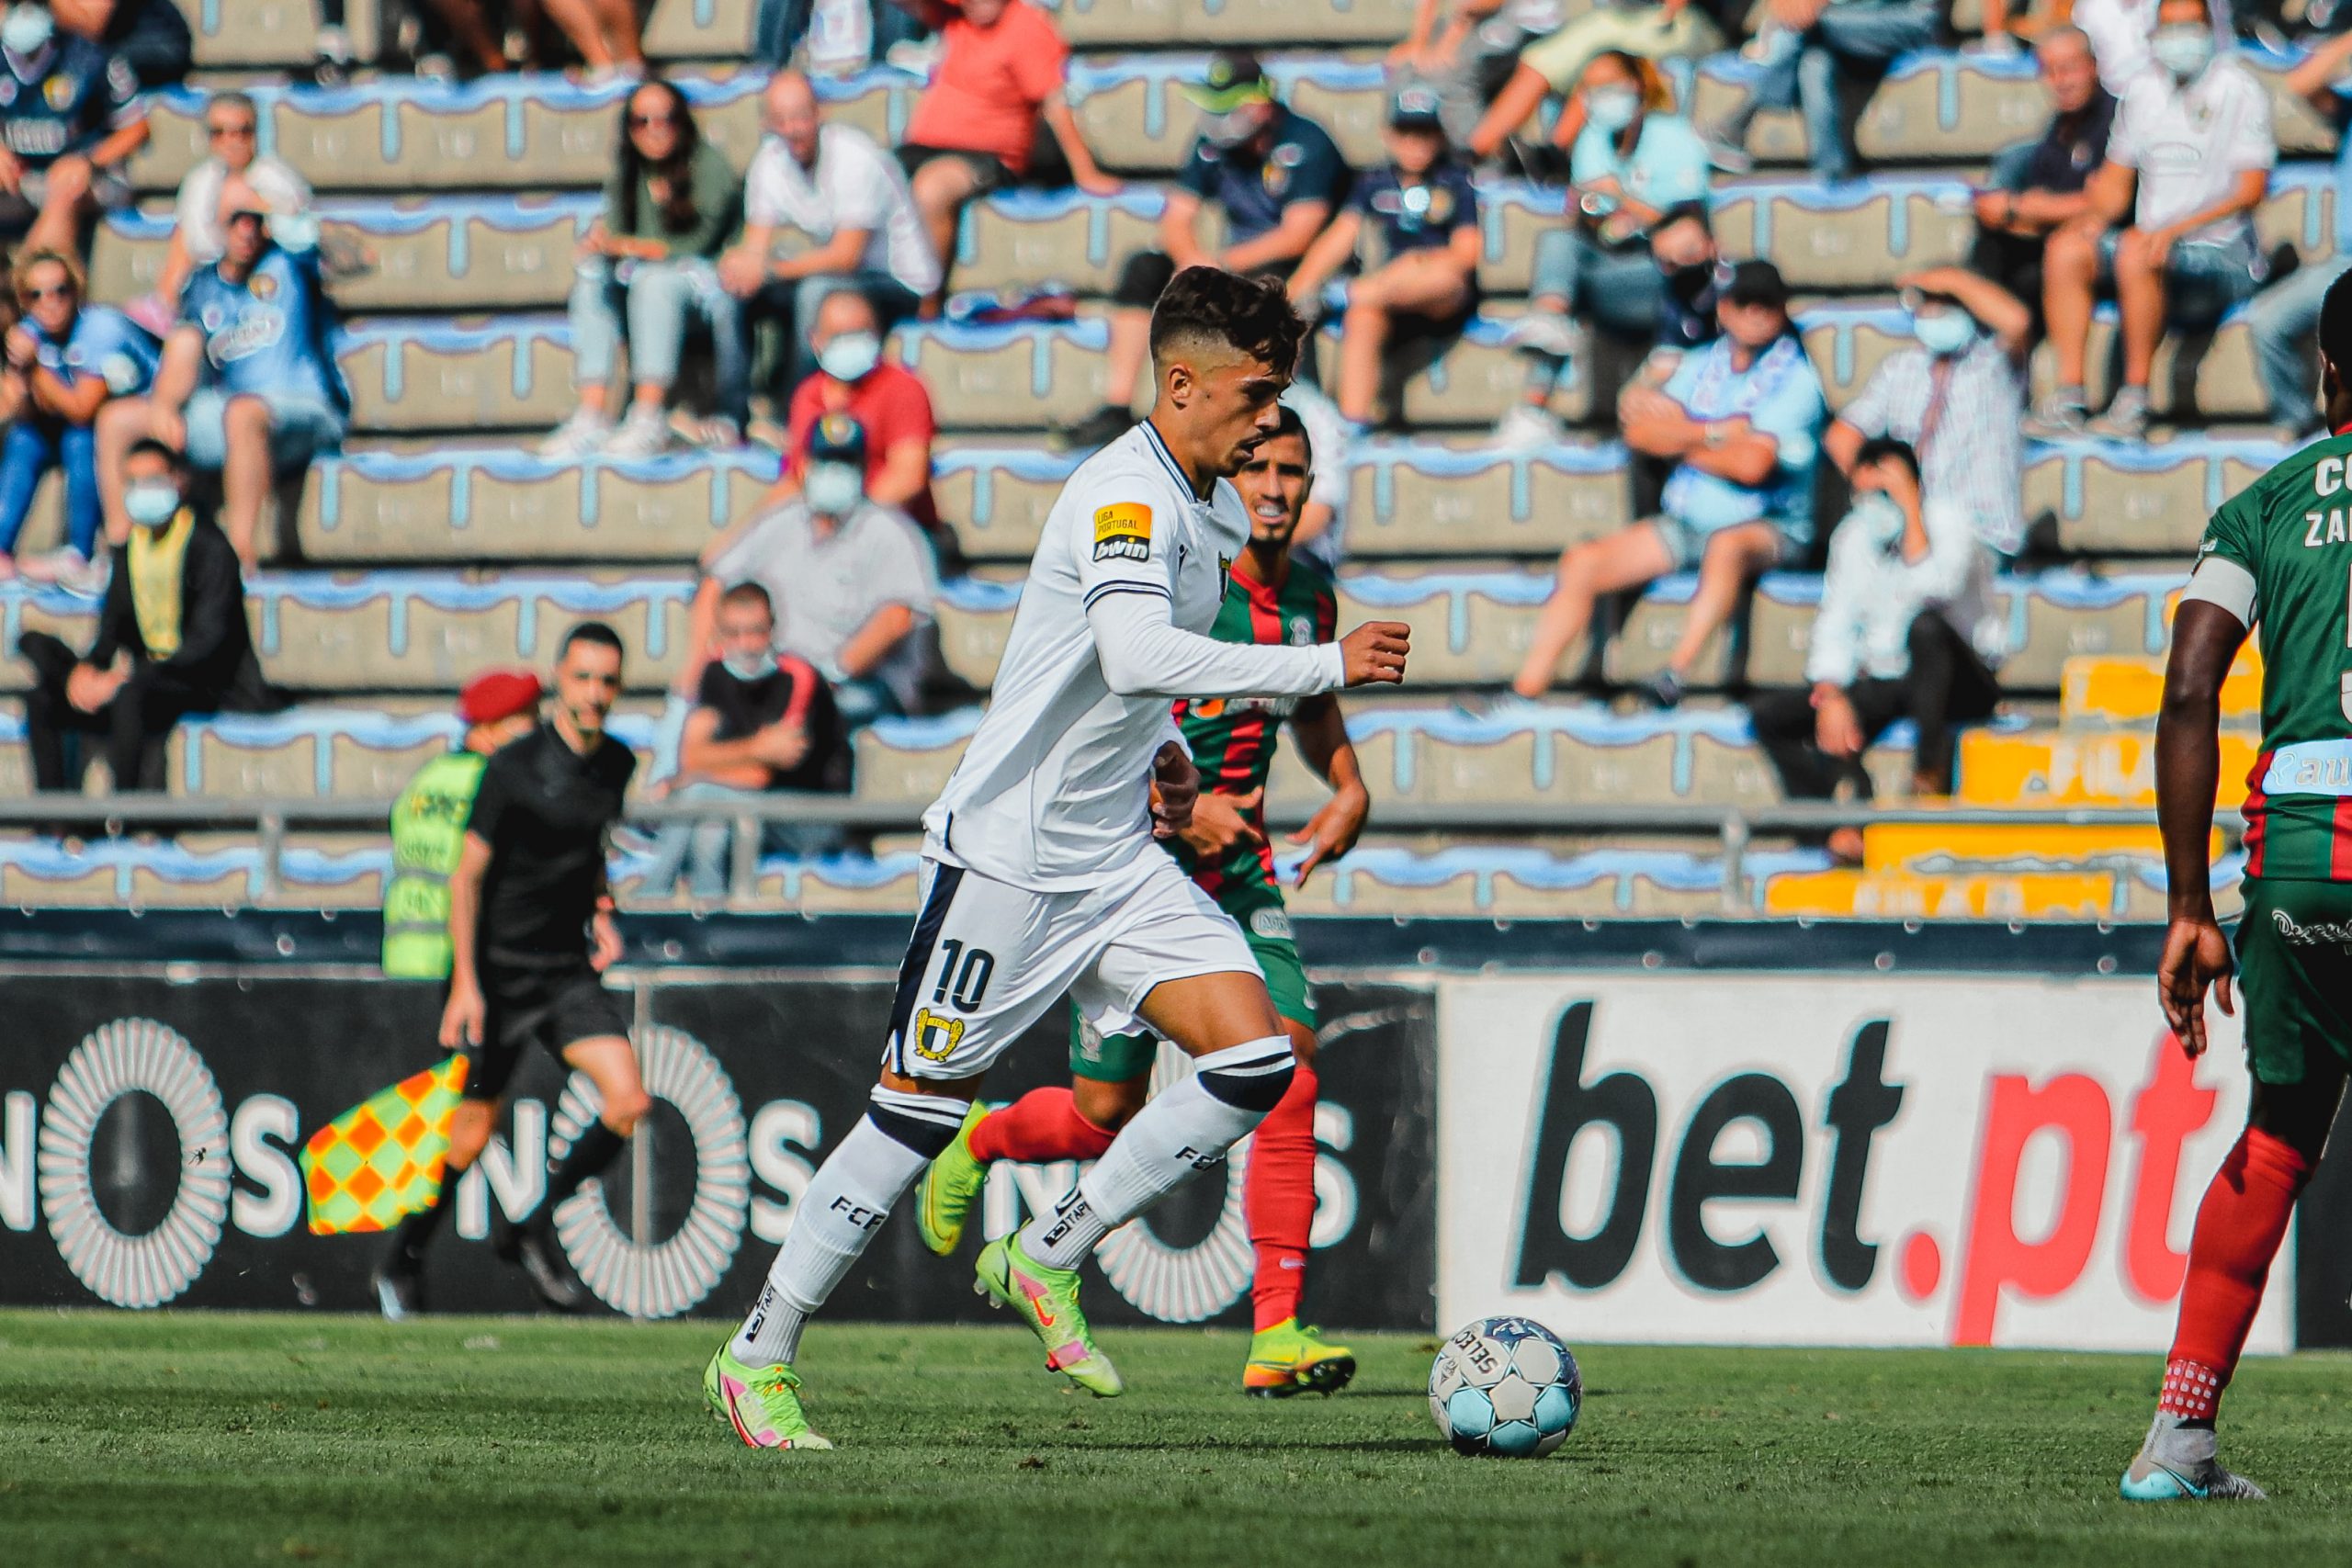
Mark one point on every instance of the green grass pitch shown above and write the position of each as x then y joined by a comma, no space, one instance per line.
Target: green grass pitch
192,1438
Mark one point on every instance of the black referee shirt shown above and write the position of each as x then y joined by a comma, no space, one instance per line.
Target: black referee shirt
545,810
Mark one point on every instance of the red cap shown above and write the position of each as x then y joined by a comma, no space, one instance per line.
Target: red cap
501,694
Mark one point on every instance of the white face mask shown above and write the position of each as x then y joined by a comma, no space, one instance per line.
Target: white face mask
833,488
1946,332
759,667
150,505
1612,109
27,29
852,357
2184,49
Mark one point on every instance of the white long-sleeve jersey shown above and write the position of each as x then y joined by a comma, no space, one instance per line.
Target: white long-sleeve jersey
1054,791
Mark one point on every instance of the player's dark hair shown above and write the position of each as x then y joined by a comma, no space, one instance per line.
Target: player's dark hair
750,594
595,633
1886,448
148,446
2335,329
1210,305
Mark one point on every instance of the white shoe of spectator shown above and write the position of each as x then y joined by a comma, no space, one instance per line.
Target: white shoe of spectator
644,434
1541,331
1527,428
582,435
52,567
87,578
2126,418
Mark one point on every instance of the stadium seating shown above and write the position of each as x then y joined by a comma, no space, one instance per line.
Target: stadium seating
439,543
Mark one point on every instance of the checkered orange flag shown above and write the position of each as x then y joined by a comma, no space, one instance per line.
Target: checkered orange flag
381,1158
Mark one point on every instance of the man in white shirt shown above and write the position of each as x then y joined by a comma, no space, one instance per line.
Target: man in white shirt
1039,874
2193,134
1906,628
848,198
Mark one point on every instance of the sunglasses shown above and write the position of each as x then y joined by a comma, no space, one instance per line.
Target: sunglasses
34,295
648,122
217,131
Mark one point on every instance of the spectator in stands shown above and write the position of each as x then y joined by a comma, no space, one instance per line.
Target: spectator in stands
2120,33
671,204
1635,163
762,724
830,183
1273,176
606,34
1470,58
2195,136
1321,534
1425,214
2285,318
72,114
2038,188
889,402
1907,628
249,385
1956,398
172,640
1555,66
66,360
975,129
1817,54
1682,243
152,37
1741,420
851,581
831,38
232,131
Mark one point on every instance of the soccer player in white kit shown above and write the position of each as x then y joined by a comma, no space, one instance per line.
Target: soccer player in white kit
1039,875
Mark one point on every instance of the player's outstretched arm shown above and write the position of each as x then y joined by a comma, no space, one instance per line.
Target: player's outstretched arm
2205,640
1144,654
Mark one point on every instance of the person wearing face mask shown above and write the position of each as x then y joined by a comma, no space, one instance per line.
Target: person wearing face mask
1907,628
889,401
1424,210
851,581
2188,161
172,640
71,113
1274,175
1956,397
73,359
1553,67
761,723
1634,162
830,183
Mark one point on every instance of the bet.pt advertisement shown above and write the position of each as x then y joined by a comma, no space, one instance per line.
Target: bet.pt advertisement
1768,1160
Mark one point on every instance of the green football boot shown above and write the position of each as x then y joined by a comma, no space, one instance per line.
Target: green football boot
1291,1358
763,1403
950,1186
1047,1299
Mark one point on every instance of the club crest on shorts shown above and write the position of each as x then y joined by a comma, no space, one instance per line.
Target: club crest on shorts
1122,532
936,1036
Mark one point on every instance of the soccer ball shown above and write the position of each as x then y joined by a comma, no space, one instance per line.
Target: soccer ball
1506,1386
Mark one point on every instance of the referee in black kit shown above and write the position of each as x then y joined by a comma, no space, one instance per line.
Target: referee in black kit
531,924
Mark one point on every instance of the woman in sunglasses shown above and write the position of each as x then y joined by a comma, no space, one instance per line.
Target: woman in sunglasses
231,132
671,208
65,362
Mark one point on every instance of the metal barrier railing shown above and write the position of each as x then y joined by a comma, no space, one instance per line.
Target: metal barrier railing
1732,826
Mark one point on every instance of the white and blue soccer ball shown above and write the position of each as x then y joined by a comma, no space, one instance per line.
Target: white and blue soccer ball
1506,1387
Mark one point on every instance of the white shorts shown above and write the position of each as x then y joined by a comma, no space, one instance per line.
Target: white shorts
989,959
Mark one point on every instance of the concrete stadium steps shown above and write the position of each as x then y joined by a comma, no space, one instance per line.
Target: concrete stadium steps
479,373
2060,768
2113,689
395,631
234,34
2199,377
1473,627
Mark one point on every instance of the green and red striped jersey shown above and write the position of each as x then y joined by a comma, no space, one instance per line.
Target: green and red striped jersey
1233,739
2292,529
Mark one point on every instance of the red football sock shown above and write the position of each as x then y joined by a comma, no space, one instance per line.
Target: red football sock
1280,1200
2239,1227
1042,1125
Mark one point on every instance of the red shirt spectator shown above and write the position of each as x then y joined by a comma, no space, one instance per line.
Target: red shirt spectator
892,404
990,84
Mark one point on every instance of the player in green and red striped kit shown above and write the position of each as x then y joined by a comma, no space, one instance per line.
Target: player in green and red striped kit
1273,597
2279,555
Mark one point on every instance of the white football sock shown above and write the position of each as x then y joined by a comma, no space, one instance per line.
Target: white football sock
1186,1128
844,1205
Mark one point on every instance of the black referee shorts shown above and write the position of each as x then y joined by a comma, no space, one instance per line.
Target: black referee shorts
552,1008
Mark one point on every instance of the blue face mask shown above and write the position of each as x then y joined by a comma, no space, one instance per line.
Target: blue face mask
150,505
1942,332
759,667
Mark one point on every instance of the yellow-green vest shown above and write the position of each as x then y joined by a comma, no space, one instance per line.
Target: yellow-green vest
428,834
